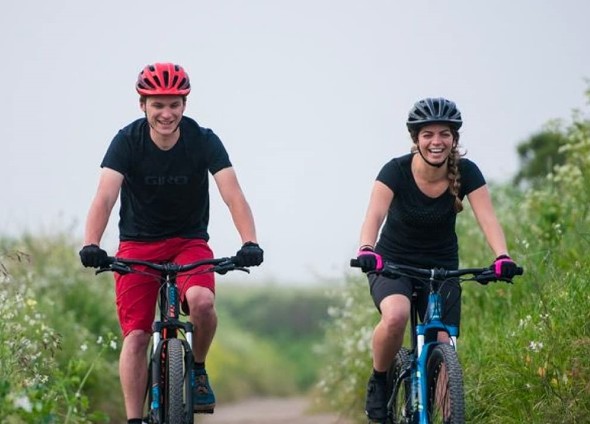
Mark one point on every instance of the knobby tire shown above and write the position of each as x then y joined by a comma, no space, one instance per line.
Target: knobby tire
445,402
174,386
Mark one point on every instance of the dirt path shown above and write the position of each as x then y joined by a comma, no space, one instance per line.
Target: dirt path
267,411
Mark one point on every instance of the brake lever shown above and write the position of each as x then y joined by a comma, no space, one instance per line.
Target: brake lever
241,268
224,267
115,266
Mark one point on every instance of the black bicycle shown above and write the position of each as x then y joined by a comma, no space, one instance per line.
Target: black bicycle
425,381
170,385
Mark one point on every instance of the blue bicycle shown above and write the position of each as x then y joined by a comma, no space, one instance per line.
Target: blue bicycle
425,381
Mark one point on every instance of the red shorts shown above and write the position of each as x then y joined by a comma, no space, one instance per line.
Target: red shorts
137,294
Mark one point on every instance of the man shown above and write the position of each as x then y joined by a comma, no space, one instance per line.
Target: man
159,165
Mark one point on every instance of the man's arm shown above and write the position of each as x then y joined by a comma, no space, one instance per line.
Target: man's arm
232,195
105,198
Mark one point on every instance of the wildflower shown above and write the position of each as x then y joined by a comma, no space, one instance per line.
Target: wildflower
23,402
113,345
535,346
84,347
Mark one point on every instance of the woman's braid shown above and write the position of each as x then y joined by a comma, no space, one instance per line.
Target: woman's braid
454,175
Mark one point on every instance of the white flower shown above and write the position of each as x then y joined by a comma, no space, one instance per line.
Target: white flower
23,402
535,346
84,347
113,345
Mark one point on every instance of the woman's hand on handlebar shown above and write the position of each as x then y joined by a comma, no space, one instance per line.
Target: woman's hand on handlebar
504,267
368,260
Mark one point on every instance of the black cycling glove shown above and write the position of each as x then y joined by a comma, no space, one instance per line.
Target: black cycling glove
93,256
250,255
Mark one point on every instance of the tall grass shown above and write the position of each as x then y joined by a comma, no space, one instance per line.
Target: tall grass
524,347
55,363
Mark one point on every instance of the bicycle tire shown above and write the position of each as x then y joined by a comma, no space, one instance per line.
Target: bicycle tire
445,398
400,388
174,385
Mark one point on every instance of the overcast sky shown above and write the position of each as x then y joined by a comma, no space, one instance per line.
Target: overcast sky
310,98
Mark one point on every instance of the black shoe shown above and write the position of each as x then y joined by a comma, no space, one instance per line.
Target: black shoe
376,402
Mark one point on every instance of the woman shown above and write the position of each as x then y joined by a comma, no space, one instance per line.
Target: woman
420,194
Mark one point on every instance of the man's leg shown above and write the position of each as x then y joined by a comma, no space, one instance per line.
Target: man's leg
201,302
133,371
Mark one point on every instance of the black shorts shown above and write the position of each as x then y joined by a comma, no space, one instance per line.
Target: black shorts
381,287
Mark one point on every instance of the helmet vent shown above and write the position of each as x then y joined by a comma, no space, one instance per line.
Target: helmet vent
166,78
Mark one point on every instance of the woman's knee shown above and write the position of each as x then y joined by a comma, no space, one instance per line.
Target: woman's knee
395,312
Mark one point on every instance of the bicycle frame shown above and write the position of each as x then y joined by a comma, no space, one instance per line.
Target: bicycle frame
424,338
167,328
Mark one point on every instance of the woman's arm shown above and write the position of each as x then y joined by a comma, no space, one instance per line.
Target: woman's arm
481,203
381,197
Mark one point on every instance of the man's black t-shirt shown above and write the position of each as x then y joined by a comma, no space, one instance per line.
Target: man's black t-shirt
165,193
420,230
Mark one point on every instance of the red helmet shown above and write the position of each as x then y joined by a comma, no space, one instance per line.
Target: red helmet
163,79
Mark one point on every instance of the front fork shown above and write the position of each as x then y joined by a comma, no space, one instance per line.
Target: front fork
426,341
157,376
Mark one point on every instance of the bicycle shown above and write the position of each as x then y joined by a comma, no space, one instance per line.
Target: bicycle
170,369
425,381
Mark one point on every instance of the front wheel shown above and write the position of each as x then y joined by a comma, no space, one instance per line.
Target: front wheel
445,401
399,408
174,384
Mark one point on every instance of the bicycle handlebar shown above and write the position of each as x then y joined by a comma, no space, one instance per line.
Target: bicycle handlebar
481,275
125,265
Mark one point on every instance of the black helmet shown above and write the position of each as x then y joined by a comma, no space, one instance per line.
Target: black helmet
432,111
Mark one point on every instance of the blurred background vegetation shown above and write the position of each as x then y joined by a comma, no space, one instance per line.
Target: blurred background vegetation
524,347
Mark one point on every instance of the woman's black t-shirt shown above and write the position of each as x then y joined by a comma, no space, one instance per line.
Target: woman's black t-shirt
165,193
420,230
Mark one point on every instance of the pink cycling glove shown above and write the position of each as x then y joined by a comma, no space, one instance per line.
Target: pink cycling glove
504,267
369,260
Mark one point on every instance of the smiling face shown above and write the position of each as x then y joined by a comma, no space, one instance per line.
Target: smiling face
163,114
435,142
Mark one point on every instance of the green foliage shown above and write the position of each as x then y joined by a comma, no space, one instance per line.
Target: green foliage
524,347
49,358
539,154
290,319
346,350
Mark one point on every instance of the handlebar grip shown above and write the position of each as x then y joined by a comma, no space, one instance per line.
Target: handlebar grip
354,263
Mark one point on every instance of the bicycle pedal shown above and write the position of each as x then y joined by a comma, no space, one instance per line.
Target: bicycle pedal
205,411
